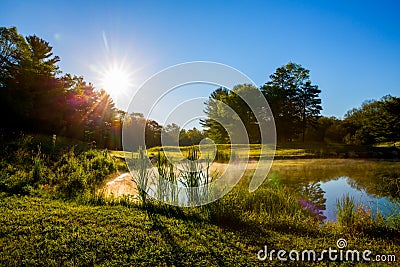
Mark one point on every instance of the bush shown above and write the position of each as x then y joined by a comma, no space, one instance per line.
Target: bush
77,174
25,169
14,181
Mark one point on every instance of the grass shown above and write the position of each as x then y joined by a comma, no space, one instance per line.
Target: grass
388,144
44,232
291,150
52,215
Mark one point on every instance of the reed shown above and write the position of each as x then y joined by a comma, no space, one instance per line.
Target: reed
346,210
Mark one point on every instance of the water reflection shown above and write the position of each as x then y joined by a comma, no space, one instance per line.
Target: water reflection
322,182
314,200
336,189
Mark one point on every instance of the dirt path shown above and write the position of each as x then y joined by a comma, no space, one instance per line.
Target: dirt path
121,185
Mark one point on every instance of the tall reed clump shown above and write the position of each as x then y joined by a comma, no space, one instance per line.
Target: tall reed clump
270,206
361,219
346,210
195,177
142,174
167,182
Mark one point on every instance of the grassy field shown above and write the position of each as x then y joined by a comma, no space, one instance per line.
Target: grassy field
296,150
44,232
51,215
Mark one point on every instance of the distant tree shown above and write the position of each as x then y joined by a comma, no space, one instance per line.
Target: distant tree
293,100
170,132
139,131
195,136
185,137
376,121
153,133
215,114
115,142
89,113
246,114
190,137
326,129
310,105
220,119
334,129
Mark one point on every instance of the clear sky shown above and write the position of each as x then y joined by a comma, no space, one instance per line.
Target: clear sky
352,48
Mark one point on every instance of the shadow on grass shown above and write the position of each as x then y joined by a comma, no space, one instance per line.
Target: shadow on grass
155,211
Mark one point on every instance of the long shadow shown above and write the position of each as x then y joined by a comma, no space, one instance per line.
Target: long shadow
176,250
170,211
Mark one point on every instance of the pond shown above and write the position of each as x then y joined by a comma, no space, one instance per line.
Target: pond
322,182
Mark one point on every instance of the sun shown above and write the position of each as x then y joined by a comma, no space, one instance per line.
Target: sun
116,80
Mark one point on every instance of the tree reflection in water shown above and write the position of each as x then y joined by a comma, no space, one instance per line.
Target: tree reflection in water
313,199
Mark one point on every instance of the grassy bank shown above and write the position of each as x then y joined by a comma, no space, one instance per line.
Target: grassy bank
298,150
51,214
38,231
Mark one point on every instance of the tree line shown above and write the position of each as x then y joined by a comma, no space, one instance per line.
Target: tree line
296,107
36,97
293,100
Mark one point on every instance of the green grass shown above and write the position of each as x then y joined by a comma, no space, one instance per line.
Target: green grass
388,144
70,224
43,232
290,150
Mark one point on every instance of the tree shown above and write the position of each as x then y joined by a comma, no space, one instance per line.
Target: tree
38,100
310,105
13,50
215,113
41,55
29,89
170,132
195,136
134,125
88,113
225,108
376,121
246,114
293,100
326,129
190,137
153,133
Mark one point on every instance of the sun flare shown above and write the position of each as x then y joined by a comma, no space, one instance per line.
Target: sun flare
116,80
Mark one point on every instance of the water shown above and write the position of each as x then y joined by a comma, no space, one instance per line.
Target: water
335,189
323,182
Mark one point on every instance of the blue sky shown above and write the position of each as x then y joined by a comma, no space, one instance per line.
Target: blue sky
352,48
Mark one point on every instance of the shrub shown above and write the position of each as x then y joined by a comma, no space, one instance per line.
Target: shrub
14,181
77,174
